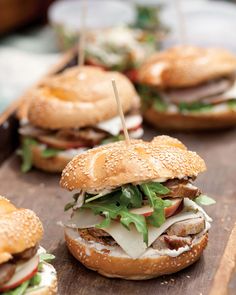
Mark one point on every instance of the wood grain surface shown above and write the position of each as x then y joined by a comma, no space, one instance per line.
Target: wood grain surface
41,192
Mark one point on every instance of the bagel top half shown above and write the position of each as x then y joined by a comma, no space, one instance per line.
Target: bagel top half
79,97
186,66
20,229
116,164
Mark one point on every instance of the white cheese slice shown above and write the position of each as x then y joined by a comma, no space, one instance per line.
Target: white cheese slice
83,219
231,93
131,241
114,126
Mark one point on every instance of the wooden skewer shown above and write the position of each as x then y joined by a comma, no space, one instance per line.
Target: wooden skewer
181,22
120,111
82,34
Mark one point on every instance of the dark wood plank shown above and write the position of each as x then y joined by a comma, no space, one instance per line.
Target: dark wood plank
41,192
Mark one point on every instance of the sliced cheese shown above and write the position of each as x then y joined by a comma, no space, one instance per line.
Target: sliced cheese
83,219
131,241
114,126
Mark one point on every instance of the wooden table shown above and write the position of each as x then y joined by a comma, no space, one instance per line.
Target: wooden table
41,192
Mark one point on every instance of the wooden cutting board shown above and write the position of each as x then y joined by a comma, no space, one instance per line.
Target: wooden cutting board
41,192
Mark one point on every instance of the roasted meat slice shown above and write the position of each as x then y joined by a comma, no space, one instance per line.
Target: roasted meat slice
27,254
171,242
7,271
187,227
182,189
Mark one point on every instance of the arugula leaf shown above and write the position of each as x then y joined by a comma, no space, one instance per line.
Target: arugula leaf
27,154
20,290
47,257
110,139
70,205
160,105
158,216
152,190
138,220
204,200
131,196
35,280
113,210
50,152
194,107
232,104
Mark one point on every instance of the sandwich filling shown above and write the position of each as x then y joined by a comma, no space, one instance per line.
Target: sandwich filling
138,220
214,96
121,49
71,142
26,272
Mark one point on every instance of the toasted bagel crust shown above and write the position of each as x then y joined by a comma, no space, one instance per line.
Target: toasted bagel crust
177,121
20,229
80,96
118,163
185,66
113,266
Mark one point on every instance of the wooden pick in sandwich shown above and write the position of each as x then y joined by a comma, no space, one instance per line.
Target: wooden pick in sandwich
181,22
82,42
119,107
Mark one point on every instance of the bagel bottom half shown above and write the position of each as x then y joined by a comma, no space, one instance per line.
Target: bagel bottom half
200,121
110,265
53,164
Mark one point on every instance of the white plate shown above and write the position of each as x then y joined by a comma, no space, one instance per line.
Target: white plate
100,14
207,23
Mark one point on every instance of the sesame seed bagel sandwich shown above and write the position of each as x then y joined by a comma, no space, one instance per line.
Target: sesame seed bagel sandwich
23,264
73,111
187,88
135,212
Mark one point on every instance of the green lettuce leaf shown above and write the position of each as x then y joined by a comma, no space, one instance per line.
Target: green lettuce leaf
194,107
46,257
50,152
20,290
70,205
131,197
138,220
110,139
26,154
35,280
204,200
113,210
151,191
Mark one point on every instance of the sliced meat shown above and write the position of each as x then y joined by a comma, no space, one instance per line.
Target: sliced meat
197,93
174,242
27,254
89,236
187,227
171,242
97,232
7,271
182,189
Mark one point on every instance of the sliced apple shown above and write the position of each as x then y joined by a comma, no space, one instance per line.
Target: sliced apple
59,143
169,211
24,271
132,75
148,210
